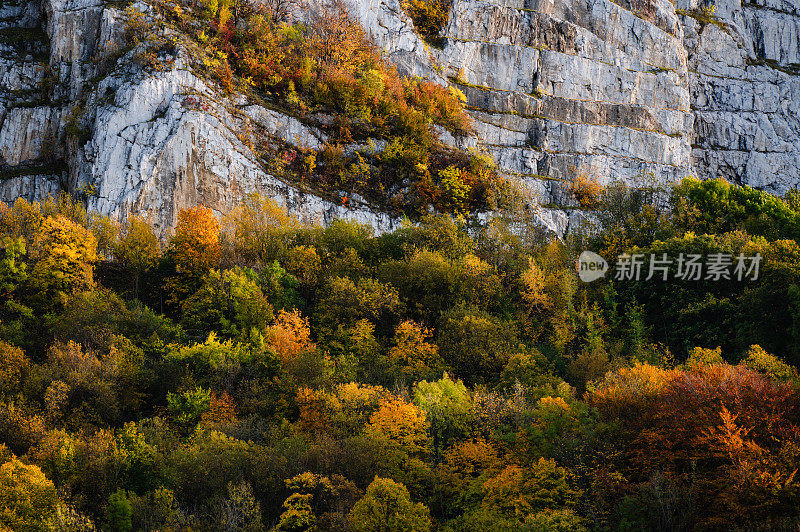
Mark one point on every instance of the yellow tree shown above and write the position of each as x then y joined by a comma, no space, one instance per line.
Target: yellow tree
257,230
64,254
13,366
533,287
414,356
28,500
761,361
401,423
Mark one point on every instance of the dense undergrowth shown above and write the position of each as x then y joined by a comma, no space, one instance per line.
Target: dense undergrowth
382,130
254,372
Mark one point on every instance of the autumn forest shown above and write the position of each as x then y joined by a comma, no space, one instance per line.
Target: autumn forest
250,372
245,371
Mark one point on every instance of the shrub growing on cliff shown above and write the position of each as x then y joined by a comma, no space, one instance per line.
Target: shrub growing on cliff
331,76
429,16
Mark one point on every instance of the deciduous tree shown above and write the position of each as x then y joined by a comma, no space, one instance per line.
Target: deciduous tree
28,500
387,507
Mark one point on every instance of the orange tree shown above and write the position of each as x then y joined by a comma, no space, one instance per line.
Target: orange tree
725,435
194,249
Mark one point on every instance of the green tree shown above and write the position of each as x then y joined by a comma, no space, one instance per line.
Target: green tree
475,344
447,405
187,407
297,513
592,362
13,270
137,459
155,510
230,303
387,507
279,287
344,302
240,511
257,231
427,281
119,512
208,461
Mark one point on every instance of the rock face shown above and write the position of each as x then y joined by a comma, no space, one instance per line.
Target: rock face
745,82
578,87
168,141
131,143
31,159
624,90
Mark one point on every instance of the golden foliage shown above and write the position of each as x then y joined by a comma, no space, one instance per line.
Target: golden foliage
412,352
65,253
466,460
400,422
256,230
28,499
518,492
55,399
763,362
586,189
533,286
195,246
343,412
222,411
304,263
20,429
635,384
138,247
701,356
429,16
13,364
290,335
338,42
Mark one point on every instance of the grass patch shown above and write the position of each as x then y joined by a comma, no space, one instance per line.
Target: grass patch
704,15
791,69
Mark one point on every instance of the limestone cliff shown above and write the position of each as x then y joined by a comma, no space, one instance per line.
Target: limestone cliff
617,90
76,117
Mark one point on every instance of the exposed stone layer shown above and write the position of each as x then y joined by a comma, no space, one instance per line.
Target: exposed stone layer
746,93
560,88
132,143
615,90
